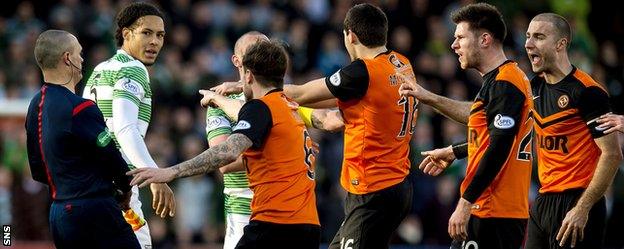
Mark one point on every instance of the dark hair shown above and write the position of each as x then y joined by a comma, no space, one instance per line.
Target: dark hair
267,62
482,16
128,16
562,26
369,23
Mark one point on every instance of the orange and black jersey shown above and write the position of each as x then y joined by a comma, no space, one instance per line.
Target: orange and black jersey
499,169
565,126
280,163
378,122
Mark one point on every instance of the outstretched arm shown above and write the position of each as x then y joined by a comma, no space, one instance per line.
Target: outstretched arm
453,109
324,119
211,159
312,92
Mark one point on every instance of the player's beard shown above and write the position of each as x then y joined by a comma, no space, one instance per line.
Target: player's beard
247,92
473,60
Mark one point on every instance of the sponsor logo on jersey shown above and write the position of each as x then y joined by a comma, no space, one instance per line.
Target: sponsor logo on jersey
131,86
335,78
503,122
216,122
553,143
242,125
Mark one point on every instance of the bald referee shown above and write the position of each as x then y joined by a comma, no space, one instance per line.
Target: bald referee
70,150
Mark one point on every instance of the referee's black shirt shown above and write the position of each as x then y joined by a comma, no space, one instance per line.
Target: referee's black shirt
69,147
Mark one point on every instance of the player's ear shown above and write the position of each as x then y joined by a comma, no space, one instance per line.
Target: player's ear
235,60
485,39
562,44
352,37
125,33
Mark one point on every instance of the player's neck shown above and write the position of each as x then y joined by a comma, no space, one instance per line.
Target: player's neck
560,70
259,92
60,78
366,53
491,60
127,51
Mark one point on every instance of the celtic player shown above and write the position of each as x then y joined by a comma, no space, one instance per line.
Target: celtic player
120,87
236,185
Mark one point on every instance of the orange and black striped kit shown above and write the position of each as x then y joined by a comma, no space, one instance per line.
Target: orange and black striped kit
501,108
565,127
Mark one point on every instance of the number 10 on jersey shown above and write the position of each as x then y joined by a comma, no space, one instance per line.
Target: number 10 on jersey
410,113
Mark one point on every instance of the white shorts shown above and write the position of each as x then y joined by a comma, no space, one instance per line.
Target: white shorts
234,229
143,234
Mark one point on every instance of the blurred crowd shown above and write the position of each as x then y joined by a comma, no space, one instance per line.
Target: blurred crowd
199,42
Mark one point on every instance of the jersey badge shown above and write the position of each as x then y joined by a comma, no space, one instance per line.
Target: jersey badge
242,125
503,122
563,101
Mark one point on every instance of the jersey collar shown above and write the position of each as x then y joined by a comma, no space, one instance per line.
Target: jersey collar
121,51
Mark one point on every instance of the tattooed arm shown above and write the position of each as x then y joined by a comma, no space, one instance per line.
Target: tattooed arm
211,159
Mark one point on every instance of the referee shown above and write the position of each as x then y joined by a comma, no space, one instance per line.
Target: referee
70,150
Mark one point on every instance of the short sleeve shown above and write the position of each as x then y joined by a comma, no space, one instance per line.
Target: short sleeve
593,103
350,82
255,122
504,109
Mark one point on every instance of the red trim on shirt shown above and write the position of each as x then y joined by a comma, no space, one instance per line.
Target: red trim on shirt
82,106
40,132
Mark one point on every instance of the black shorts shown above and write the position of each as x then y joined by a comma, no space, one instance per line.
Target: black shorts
493,233
371,219
548,212
260,234
90,223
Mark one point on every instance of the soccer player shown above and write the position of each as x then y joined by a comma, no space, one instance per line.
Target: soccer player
493,209
218,128
277,153
70,150
378,127
121,88
576,160
611,122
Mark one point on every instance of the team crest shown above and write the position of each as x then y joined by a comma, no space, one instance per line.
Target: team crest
563,101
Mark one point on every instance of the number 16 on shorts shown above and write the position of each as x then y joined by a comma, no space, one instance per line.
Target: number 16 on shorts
346,245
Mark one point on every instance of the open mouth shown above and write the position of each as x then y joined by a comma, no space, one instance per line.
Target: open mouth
535,58
459,55
151,53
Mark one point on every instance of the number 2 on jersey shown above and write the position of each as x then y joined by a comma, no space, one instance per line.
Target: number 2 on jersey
409,115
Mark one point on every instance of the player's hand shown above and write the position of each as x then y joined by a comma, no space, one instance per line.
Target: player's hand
209,96
436,160
145,176
572,226
611,122
458,223
228,88
163,200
